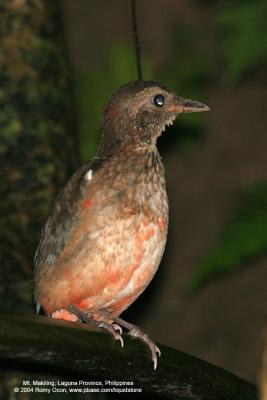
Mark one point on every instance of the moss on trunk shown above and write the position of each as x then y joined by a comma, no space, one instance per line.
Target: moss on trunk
37,145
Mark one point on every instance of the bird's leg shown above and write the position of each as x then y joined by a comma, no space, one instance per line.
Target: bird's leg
114,329
136,332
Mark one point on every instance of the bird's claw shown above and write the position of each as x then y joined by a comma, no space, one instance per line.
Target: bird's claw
117,327
114,329
137,333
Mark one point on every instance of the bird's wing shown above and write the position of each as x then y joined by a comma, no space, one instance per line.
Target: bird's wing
63,214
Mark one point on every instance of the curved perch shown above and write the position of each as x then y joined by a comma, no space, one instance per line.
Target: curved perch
72,348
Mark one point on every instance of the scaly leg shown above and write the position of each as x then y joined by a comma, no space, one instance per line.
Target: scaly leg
136,332
114,329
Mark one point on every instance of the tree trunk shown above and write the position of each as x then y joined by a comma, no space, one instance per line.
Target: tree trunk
37,144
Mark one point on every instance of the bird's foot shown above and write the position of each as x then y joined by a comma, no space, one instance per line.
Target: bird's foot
137,333
155,351
113,328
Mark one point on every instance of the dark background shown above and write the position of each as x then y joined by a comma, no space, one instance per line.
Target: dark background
209,295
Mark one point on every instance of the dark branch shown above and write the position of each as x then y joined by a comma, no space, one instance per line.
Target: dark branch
71,347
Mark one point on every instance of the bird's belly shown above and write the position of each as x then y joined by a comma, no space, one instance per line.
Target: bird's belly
148,250
127,274
108,268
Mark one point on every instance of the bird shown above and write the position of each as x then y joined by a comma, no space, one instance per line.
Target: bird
106,232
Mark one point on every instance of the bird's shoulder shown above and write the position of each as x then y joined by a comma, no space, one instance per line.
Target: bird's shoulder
64,212
80,180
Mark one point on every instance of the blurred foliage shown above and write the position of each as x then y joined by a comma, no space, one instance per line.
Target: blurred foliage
93,89
242,239
244,37
186,71
188,75
243,47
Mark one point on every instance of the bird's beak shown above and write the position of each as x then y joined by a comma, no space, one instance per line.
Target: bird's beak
181,105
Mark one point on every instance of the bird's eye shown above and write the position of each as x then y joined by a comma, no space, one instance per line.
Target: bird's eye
159,100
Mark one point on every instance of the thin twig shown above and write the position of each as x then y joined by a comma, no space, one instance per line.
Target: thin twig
136,41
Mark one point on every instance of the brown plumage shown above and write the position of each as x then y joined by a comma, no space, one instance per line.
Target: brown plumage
106,233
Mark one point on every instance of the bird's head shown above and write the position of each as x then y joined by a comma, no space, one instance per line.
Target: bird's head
139,112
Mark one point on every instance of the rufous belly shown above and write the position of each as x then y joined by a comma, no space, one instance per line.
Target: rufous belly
111,286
